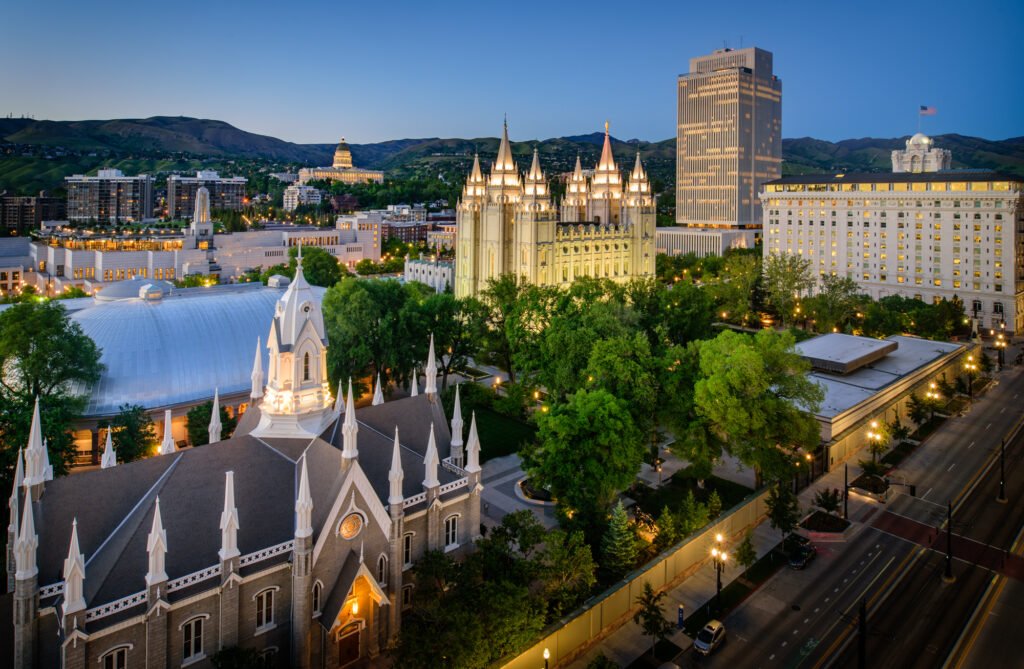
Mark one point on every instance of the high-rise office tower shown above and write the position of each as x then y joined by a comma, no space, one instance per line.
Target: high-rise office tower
728,138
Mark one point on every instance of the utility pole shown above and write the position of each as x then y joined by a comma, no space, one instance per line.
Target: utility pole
862,636
948,576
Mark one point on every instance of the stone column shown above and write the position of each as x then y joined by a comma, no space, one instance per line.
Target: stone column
26,626
73,652
157,622
372,622
395,561
302,582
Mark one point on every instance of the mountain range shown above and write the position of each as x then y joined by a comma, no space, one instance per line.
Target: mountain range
38,154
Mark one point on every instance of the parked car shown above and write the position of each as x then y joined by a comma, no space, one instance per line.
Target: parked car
710,637
801,557
793,542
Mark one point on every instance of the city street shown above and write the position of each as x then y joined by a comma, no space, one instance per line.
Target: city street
808,618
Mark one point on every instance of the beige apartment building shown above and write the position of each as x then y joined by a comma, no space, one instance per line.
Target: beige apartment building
729,138
922,234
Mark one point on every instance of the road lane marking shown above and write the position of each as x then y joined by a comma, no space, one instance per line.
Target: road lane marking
926,494
771,657
806,620
784,644
969,447
817,609
990,424
951,467
1000,411
795,632
828,598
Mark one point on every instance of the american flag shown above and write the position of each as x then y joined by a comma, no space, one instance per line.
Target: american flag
926,111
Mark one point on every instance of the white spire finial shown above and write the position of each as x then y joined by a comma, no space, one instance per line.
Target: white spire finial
12,503
74,575
339,399
215,424
396,476
304,505
456,452
167,445
349,428
414,387
229,520
26,544
430,372
156,546
257,373
430,462
36,458
378,394
109,458
473,448
607,162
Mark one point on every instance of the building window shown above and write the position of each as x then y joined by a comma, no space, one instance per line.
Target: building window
305,366
451,532
407,596
116,659
318,589
192,639
264,609
407,550
997,308
382,570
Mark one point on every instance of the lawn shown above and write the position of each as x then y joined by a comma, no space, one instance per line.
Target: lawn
674,492
501,435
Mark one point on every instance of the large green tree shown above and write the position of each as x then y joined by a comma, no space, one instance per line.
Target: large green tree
589,449
198,423
651,616
836,304
459,326
735,293
786,277
318,266
132,433
44,354
756,397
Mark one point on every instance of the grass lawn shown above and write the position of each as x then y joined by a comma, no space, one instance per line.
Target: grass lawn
674,492
501,435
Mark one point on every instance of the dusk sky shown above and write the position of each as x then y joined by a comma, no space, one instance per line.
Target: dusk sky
371,71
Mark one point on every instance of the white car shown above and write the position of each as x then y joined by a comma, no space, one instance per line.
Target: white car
710,638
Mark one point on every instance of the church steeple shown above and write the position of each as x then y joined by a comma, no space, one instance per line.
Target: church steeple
74,575
396,476
638,190
504,173
167,445
229,520
26,544
156,547
215,425
36,457
109,458
456,445
349,428
606,186
430,372
535,187
473,448
431,462
577,196
607,162
304,505
257,373
378,393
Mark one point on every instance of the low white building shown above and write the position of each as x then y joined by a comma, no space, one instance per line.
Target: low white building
439,275
297,195
677,241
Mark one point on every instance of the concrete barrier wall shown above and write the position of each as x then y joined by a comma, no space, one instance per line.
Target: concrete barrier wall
573,635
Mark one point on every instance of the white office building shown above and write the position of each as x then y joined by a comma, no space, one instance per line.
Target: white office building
297,195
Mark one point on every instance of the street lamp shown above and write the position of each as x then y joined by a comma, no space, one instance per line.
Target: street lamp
720,557
970,367
547,656
1000,345
874,437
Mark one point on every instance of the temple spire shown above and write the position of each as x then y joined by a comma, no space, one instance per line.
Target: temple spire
304,505
156,546
36,458
349,428
473,448
607,162
339,399
26,544
504,162
476,175
430,373
430,462
378,394
395,476
414,387
638,173
109,458
229,520
456,450
257,373
167,445
535,173
215,428
74,575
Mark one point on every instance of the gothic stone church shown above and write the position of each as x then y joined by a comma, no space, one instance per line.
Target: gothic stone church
294,537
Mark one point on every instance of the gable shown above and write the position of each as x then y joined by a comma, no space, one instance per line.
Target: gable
366,501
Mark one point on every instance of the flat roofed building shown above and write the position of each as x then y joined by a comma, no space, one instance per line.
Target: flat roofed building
109,197
928,235
20,214
728,138
225,193
679,240
297,195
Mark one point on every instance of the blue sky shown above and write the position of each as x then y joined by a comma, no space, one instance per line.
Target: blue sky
309,72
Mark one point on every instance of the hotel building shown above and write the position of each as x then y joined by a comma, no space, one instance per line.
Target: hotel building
109,197
297,195
922,234
225,193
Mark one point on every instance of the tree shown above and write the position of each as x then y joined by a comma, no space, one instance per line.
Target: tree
746,556
714,505
651,616
501,298
878,439
786,277
44,354
568,570
735,293
898,430
692,515
919,410
625,367
828,500
277,270
618,546
589,450
783,508
836,303
668,530
318,266
459,327
132,433
756,396
198,423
